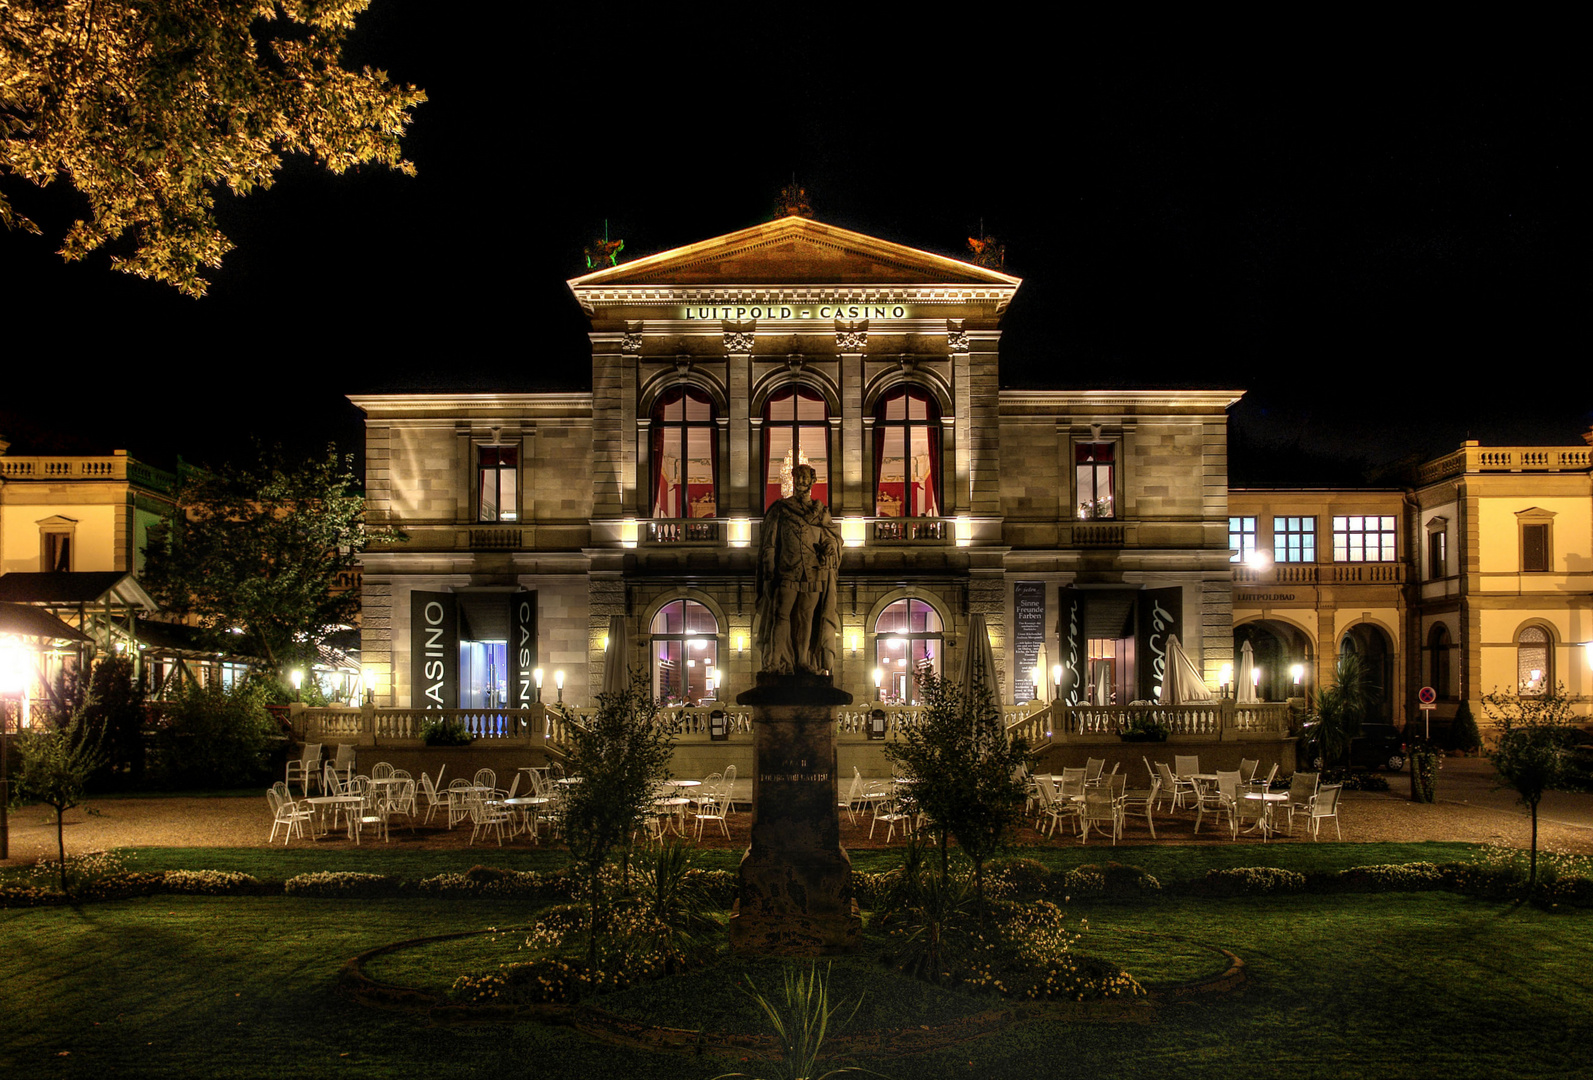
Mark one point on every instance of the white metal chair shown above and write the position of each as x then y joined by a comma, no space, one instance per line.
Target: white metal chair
307,769
709,809
853,795
730,790
1177,789
1247,769
1134,801
382,770
286,815
1092,770
1219,799
891,812
1100,811
486,778
1325,806
485,815
1302,792
459,792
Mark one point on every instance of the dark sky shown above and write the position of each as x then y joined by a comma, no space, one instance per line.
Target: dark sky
1389,251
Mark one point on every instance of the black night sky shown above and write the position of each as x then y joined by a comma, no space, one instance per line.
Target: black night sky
1388,249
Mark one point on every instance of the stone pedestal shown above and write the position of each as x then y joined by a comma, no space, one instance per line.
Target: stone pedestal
795,895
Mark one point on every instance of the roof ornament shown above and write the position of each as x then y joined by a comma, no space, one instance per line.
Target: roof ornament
792,201
605,252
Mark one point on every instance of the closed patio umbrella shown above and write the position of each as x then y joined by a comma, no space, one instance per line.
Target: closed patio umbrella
616,661
1247,679
978,662
1183,682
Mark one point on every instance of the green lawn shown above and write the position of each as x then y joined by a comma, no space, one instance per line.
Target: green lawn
1399,985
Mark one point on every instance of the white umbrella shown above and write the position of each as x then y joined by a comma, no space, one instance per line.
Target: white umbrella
1247,680
1103,683
1042,685
1182,683
616,661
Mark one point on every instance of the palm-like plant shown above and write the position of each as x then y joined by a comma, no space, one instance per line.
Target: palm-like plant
1337,711
801,1021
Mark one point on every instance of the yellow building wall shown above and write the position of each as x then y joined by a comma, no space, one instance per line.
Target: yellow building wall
94,542
1499,543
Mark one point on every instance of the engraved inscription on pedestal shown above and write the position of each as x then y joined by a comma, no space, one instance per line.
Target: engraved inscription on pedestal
795,894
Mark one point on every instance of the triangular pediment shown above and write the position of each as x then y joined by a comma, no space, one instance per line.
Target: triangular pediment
794,251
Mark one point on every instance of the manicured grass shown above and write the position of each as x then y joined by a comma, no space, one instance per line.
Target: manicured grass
1394,985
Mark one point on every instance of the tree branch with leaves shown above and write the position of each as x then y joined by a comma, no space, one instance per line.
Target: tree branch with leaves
148,107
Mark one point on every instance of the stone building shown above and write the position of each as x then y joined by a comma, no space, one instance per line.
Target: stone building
1086,524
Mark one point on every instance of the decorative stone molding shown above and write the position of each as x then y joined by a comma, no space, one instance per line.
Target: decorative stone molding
851,337
956,336
683,365
631,344
738,341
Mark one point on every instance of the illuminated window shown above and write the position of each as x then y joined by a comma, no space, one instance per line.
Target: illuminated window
497,483
1294,539
1093,470
1363,539
1533,674
685,455
57,551
796,431
907,643
907,456
685,652
1241,538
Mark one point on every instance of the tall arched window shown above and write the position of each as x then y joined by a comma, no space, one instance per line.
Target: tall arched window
1534,668
907,642
685,652
907,455
1440,646
685,455
796,431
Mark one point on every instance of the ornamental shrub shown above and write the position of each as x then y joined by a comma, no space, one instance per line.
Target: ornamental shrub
444,732
215,737
1253,881
330,885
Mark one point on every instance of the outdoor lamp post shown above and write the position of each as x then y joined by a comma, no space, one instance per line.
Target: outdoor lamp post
1225,678
558,681
1298,671
879,682
1056,681
297,675
537,675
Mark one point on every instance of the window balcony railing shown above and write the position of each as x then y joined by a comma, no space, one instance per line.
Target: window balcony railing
1348,573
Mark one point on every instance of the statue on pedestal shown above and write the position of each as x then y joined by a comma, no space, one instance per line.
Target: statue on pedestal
799,556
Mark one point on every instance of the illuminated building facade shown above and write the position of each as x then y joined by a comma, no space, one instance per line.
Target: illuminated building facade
1085,525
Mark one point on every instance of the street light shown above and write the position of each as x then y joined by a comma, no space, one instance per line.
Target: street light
537,675
558,681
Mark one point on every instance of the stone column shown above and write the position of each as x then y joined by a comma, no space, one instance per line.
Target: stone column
795,894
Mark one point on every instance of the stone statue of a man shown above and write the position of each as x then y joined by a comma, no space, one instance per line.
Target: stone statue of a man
799,555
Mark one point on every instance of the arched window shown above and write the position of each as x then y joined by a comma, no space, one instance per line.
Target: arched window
907,642
685,652
1440,646
796,431
1534,673
907,455
685,455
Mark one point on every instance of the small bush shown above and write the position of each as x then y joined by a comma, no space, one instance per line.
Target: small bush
329,885
1463,734
1252,881
1114,880
1023,879
1390,877
443,732
212,882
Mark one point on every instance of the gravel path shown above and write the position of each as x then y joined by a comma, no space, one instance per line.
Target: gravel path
1469,809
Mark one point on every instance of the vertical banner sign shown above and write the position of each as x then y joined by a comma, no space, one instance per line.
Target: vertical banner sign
1028,607
1075,649
433,650
1161,615
522,649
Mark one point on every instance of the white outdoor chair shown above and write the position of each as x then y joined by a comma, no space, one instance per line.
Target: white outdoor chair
1325,806
486,815
1100,811
1219,800
372,813
285,815
1186,765
710,810
891,812
1135,801
307,769
1302,793
1092,770
1178,790
381,770
486,778
729,802
459,792
433,798
853,795
1247,769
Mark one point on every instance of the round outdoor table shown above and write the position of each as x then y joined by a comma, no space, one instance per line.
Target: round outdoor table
1270,801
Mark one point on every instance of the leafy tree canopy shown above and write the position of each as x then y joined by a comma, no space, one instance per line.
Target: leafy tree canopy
147,106
259,550
1530,750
